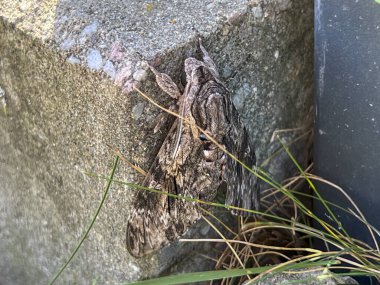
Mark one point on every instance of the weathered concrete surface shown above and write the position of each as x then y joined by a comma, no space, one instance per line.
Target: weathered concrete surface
61,67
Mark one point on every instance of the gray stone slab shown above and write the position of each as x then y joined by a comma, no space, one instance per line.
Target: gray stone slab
62,66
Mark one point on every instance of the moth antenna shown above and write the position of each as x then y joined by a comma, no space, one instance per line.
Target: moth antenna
208,60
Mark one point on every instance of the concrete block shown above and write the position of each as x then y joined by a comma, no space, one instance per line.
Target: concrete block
62,67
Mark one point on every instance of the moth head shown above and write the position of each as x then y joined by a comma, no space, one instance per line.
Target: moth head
197,72
191,64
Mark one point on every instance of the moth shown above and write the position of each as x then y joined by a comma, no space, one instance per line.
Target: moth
189,164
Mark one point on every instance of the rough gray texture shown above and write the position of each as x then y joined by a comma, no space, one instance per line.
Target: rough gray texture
61,68
311,277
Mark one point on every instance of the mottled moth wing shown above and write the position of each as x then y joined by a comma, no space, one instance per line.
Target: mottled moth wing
188,164
242,187
157,219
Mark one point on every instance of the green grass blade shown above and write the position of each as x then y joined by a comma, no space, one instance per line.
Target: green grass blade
107,188
185,198
189,199
333,216
219,274
198,276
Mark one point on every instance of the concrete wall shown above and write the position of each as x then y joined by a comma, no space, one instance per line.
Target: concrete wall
61,68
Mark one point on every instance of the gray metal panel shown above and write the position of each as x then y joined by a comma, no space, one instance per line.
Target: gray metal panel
347,140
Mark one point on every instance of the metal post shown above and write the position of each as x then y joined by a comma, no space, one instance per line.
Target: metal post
347,134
